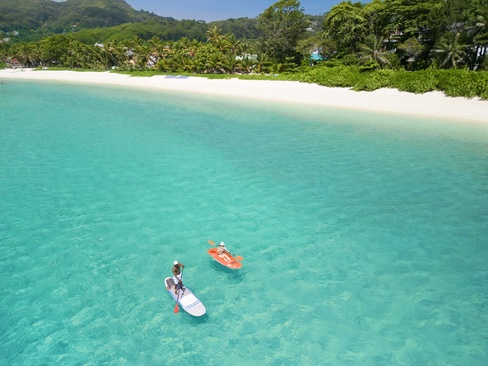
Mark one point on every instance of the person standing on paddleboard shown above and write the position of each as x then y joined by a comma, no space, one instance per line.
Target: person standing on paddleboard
177,275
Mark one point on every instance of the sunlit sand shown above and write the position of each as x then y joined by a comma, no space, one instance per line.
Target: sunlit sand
432,104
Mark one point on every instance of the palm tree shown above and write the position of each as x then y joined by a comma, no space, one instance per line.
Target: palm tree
450,51
248,63
201,56
141,55
163,65
480,43
233,44
372,51
157,47
99,58
262,63
75,57
27,54
230,63
167,50
116,53
214,35
214,63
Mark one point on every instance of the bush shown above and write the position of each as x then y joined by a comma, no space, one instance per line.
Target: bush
350,60
373,80
415,82
463,83
341,76
455,83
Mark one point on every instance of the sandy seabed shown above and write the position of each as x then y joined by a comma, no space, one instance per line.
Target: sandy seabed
432,104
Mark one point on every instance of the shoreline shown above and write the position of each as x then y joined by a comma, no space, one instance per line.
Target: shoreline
432,104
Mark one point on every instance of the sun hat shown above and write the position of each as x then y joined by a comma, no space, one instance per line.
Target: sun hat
221,244
175,263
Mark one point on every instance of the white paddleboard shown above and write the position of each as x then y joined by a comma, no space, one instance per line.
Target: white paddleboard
186,299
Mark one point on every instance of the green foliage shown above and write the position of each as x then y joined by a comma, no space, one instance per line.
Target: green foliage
464,11
349,59
394,60
346,25
455,83
410,16
376,16
484,63
482,87
164,29
372,51
451,53
45,17
412,47
103,20
416,26
242,28
339,76
415,82
347,77
19,15
373,80
282,24
463,83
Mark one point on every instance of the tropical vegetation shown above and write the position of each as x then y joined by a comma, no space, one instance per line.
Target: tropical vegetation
405,44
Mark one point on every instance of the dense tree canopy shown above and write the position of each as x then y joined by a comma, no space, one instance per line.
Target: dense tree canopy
388,34
282,25
346,24
56,17
419,26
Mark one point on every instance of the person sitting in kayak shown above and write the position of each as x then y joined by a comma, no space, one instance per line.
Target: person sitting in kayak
177,275
222,249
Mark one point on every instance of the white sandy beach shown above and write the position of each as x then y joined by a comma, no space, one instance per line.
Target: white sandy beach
432,104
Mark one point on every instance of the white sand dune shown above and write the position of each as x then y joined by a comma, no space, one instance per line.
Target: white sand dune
432,104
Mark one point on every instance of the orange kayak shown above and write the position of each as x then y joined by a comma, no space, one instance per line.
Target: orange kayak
225,259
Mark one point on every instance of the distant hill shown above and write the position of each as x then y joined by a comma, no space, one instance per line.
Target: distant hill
102,20
47,17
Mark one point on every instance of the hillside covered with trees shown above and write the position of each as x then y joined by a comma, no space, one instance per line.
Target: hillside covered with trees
101,21
47,17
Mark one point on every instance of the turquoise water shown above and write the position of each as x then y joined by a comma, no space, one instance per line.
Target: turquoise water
364,237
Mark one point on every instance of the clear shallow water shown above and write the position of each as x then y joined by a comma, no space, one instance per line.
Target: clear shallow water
364,236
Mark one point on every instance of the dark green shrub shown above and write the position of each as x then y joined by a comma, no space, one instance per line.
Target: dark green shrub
455,83
463,83
373,80
350,60
415,82
394,61
369,66
484,64
340,76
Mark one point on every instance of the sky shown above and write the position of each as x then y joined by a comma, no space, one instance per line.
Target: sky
210,10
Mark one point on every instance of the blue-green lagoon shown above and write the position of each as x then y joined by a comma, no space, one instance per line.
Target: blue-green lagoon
364,236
